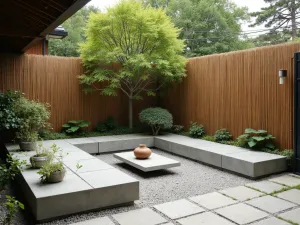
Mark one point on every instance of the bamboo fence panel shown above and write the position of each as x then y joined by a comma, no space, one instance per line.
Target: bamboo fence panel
238,90
54,80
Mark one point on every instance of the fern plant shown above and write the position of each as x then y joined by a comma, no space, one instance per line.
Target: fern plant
75,126
257,139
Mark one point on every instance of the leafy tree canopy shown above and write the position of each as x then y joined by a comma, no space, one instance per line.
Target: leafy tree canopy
75,25
280,15
145,43
208,27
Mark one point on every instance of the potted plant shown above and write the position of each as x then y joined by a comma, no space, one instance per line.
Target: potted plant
53,171
33,117
41,158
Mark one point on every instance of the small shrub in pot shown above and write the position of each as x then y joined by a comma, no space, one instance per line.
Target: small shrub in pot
53,172
42,156
33,118
196,131
157,118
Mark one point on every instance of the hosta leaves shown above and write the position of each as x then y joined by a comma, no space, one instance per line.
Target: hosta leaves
73,129
252,144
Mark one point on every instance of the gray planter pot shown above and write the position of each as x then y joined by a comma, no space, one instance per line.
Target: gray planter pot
38,161
57,176
27,146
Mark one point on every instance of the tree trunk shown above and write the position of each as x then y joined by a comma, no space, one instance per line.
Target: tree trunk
294,25
130,113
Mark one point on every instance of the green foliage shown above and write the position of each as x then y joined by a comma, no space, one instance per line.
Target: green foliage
33,117
223,135
48,135
207,27
111,123
52,166
142,41
209,138
75,25
280,15
108,125
10,170
157,119
257,139
75,126
12,205
177,129
196,131
8,118
288,153
101,127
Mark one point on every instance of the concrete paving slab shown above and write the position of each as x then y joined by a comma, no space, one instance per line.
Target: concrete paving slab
272,220
241,193
88,165
241,213
213,200
107,178
143,216
292,215
291,195
178,209
286,180
271,204
266,186
98,221
76,156
207,218
154,162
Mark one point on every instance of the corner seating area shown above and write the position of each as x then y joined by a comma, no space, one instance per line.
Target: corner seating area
98,185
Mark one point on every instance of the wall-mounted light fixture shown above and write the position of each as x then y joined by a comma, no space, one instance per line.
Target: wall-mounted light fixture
282,76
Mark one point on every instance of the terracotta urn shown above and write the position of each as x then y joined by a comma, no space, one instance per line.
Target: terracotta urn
142,152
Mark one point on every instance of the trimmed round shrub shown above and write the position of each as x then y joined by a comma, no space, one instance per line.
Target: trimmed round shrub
157,119
223,135
196,131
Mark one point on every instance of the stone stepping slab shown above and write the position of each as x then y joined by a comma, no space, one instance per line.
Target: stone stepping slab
287,180
207,218
143,216
213,200
241,193
241,213
178,209
271,221
266,186
293,216
271,204
290,195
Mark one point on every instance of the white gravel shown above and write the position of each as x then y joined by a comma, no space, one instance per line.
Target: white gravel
190,179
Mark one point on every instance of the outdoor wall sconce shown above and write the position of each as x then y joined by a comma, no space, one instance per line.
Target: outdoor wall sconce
282,76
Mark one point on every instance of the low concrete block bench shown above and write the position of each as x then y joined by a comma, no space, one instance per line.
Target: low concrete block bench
96,185
235,159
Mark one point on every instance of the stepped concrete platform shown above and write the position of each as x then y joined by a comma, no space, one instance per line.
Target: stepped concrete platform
96,185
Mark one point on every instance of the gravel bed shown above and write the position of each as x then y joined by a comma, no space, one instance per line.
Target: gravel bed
190,179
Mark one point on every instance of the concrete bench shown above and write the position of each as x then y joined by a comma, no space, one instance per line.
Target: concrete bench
235,159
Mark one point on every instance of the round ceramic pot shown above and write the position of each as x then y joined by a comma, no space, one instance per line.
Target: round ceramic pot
38,161
57,176
142,152
27,146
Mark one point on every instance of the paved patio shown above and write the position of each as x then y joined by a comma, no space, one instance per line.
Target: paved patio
275,201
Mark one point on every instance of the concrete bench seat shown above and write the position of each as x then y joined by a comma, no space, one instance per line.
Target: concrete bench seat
235,159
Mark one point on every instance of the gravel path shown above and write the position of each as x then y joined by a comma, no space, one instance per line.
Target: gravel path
188,180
